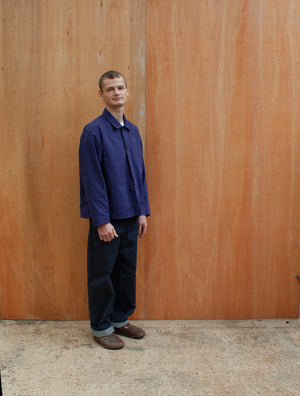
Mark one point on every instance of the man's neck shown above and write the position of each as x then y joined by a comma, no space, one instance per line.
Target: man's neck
117,113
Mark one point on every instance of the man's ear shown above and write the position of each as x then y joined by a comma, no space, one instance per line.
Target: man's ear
100,93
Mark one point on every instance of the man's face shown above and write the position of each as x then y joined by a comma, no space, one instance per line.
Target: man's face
114,92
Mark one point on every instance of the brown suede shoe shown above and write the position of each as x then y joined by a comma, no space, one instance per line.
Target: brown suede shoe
111,341
130,331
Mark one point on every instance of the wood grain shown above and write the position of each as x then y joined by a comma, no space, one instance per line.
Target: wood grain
221,144
223,156
53,54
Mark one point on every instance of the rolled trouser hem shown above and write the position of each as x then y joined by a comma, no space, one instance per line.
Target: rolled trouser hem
119,324
102,333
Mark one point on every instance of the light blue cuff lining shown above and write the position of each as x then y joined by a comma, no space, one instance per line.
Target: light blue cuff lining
119,324
102,333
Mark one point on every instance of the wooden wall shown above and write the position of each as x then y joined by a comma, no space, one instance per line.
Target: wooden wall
223,158
53,54
214,88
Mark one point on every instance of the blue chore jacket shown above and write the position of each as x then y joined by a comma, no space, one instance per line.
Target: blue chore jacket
112,171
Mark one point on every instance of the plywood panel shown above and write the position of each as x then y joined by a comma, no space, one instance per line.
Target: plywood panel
223,154
53,53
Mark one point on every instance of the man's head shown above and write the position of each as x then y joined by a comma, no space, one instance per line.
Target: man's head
111,74
113,90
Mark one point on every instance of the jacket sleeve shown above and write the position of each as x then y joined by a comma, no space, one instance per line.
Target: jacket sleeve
91,177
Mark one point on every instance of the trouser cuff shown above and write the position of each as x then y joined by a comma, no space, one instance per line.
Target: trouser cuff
102,333
119,324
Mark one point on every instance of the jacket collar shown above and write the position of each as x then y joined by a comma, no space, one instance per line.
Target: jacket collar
113,121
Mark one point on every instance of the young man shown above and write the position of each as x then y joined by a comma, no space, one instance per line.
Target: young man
113,195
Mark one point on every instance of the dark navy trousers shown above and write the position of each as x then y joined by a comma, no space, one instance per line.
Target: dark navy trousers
112,276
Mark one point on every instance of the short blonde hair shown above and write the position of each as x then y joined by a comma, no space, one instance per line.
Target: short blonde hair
111,74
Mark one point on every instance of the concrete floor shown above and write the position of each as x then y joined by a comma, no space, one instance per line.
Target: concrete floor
249,357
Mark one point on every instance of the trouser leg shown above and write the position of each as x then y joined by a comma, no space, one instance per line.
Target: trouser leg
112,277
101,260
124,273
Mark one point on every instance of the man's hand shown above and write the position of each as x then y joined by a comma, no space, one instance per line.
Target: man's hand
142,225
107,232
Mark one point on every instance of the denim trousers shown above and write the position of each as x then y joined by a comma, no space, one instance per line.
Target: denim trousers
111,268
